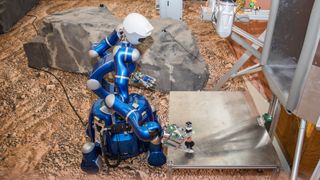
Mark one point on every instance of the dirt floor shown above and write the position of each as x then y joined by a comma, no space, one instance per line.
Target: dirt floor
40,136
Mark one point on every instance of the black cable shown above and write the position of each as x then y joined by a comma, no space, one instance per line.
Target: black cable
63,87
67,96
33,22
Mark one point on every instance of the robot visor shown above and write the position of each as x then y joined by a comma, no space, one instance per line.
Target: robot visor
141,40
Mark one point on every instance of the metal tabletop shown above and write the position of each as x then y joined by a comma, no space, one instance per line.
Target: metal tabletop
227,134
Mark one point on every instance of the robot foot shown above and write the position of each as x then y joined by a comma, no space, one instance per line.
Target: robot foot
156,156
91,162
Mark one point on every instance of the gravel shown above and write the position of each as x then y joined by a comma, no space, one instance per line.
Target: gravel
40,135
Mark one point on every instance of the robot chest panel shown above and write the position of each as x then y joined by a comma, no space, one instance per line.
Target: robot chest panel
125,53
122,49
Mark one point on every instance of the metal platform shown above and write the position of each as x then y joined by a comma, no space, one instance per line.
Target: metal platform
227,135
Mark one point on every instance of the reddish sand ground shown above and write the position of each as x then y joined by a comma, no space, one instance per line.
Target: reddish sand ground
40,136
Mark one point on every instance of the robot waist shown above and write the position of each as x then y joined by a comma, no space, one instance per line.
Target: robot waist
119,128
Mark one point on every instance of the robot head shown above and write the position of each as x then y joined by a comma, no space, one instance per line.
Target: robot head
188,125
136,28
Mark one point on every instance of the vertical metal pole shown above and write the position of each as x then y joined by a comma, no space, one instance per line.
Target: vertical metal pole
297,154
316,172
274,111
273,99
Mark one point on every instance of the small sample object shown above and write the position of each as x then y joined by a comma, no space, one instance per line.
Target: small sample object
178,138
173,136
267,120
252,4
189,143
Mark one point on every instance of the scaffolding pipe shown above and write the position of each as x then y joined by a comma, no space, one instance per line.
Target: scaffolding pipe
297,154
248,36
247,46
252,69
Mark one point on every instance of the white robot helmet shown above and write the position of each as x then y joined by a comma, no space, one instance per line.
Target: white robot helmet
136,28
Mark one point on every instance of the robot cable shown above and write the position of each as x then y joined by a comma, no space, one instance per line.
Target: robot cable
67,96
61,84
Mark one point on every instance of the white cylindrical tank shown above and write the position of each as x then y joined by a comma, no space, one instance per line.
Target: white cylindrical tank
212,4
224,17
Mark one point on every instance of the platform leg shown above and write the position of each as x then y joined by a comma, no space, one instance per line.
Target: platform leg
170,170
170,173
239,63
274,111
297,154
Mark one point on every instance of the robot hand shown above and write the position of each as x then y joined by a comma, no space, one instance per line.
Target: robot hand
119,30
144,80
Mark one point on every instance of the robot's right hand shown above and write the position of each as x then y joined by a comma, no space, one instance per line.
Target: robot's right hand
153,129
119,30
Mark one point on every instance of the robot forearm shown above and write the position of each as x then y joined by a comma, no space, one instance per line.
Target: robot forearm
96,79
147,132
106,43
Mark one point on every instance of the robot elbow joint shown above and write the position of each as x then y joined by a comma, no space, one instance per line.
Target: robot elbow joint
93,54
93,84
110,100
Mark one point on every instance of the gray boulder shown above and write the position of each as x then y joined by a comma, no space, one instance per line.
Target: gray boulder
174,58
13,10
68,36
171,55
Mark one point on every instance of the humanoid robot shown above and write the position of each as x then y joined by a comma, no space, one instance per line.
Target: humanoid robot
126,123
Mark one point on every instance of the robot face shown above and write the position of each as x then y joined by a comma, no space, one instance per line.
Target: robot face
141,40
189,124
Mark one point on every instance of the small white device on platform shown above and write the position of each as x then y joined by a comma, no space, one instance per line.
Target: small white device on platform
225,11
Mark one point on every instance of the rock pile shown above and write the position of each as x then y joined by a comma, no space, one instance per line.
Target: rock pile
171,55
13,10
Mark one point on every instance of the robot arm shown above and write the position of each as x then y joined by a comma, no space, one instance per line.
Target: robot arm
106,43
146,132
96,78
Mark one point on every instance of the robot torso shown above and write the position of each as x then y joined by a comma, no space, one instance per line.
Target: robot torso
125,58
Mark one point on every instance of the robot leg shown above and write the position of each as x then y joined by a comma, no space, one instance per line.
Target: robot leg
156,156
92,151
91,162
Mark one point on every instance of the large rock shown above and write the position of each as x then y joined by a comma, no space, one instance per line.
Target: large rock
12,10
171,56
174,58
